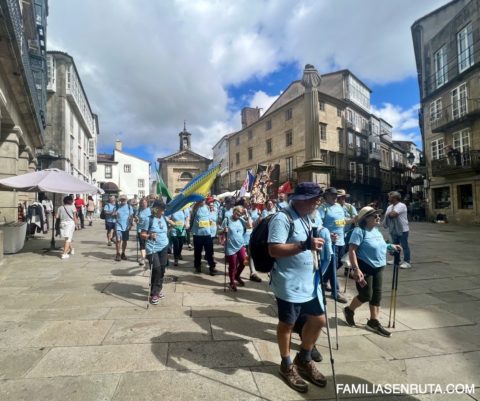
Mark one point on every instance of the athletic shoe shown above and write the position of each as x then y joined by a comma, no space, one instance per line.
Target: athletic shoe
213,271
109,243
240,282
161,295
309,371
341,299
72,251
293,379
405,265
316,355
154,300
118,258
175,262
390,262
348,314
254,277
123,257
141,262
65,256
232,286
375,326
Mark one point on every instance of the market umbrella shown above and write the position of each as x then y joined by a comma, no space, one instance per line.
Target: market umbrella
49,180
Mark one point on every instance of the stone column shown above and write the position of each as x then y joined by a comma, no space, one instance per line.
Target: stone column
314,168
9,145
23,162
311,80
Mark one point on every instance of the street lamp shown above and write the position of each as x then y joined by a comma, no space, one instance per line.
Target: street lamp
411,158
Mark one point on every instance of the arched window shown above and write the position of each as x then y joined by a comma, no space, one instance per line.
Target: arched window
186,176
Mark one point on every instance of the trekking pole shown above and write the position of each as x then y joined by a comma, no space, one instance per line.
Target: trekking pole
348,275
393,295
137,246
334,284
225,271
149,282
396,264
332,361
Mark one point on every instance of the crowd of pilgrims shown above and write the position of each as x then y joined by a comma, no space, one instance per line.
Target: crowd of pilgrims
228,222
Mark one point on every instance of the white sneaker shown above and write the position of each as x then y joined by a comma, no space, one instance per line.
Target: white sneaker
405,265
72,251
65,256
389,262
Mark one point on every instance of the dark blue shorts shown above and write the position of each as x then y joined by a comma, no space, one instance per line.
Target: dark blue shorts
109,225
288,312
123,235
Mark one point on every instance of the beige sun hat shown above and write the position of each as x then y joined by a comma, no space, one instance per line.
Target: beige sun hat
368,211
342,192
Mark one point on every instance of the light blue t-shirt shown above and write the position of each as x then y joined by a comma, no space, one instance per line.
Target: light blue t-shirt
160,227
316,219
109,208
222,213
266,212
293,278
143,219
201,223
254,215
213,222
372,247
123,218
333,217
235,235
178,230
282,205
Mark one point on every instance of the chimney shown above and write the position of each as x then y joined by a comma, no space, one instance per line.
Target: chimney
118,145
249,116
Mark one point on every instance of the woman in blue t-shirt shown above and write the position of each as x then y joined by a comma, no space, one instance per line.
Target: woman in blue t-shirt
142,219
368,256
234,227
157,250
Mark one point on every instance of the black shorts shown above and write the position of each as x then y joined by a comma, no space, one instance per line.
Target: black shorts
141,242
288,312
109,225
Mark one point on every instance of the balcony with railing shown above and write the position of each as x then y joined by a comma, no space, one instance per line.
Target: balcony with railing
358,153
455,114
35,87
456,163
398,166
344,178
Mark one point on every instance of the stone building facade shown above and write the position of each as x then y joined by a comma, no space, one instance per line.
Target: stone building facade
349,137
447,52
23,80
179,168
72,129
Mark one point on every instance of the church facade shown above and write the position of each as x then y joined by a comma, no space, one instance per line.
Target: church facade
179,168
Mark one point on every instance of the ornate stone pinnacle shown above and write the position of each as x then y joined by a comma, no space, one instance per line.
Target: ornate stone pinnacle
311,78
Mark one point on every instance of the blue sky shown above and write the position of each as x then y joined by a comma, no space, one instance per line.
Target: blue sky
147,69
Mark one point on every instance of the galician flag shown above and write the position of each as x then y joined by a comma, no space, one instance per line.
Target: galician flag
162,189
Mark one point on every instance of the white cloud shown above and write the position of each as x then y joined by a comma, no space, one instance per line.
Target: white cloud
149,65
262,100
403,120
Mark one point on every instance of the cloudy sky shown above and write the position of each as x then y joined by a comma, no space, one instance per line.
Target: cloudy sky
148,65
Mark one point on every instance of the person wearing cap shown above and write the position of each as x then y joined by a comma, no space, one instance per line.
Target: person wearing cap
124,218
396,220
368,257
142,218
333,217
202,238
109,209
296,284
178,234
157,249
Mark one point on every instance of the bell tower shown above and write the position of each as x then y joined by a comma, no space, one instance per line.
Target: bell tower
185,138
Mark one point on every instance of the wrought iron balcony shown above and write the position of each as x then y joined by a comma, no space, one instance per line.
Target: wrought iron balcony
342,177
456,163
358,153
375,154
15,23
449,117
398,166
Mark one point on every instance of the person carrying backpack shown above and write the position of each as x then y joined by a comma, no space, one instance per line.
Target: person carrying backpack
234,229
295,281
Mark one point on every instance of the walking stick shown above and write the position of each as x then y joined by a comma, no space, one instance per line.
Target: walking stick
137,246
149,282
332,361
225,271
334,285
348,275
393,296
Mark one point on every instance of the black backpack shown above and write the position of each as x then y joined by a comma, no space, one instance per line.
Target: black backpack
258,245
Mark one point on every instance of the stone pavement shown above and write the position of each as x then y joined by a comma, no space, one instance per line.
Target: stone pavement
78,329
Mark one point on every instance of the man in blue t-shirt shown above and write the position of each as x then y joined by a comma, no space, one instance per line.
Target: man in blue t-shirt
295,281
124,218
333,217
282,201
202,238
109,210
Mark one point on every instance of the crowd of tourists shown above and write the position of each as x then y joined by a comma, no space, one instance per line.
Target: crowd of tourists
312,234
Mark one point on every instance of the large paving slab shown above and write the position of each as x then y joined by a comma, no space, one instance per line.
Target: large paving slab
16,363
78,388
79,361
